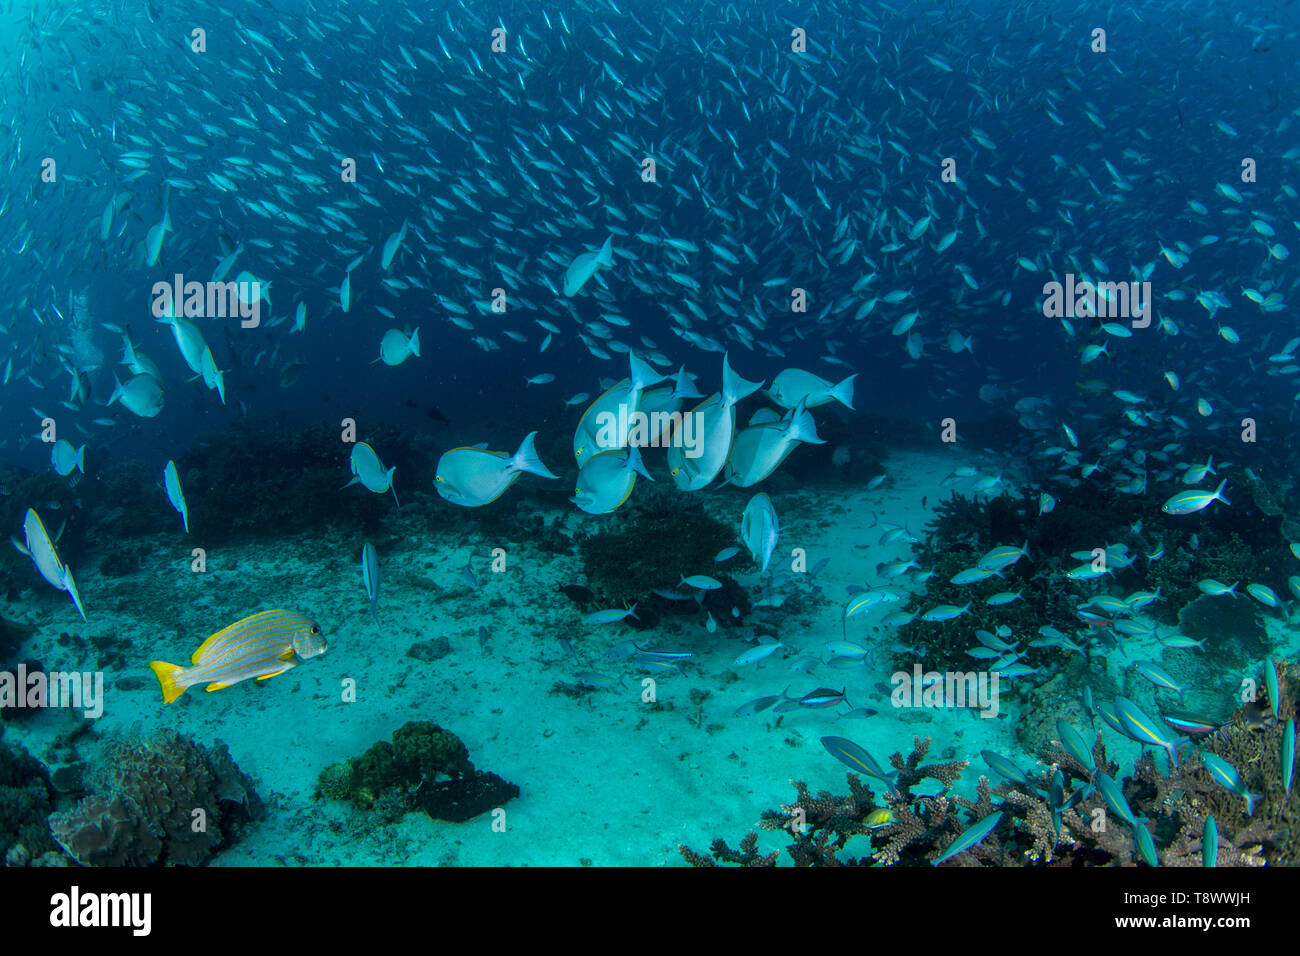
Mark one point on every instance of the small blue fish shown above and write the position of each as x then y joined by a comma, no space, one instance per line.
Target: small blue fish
945,612
758,652
1225,774
1189,723
610,616
1004,767
1145,846
1136,724
1210,843
1115,799
1288,754
823,697
856,758
1073,743
969,837
1189,502
758,705
701,582
370,576
175,494
1159,676
1270,681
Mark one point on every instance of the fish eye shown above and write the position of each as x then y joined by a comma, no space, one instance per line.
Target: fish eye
315,629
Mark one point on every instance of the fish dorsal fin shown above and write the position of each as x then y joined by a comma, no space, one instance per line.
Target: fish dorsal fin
207,645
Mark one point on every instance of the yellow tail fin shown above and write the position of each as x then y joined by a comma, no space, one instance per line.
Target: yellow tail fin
166,674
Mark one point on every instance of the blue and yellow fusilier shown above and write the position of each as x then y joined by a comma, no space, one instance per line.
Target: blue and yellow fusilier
260,646
1190,502
972,835
1226,775
1135,723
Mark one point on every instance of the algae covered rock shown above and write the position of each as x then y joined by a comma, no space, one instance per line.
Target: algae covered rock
425,767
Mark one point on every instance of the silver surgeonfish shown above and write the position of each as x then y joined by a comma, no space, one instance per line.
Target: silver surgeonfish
794,385
606,480
586,265
759,529
715,426
369,471
759,450
609,421
474,476
40,548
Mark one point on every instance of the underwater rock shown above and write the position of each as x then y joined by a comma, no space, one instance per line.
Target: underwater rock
430,651
148,812
425,767
654,550
1230,626
12,635
26,798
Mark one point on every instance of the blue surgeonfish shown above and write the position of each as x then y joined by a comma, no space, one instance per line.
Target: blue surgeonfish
40,548
969,837
65,459
370,576
260,646
794,385
474,476
759,529
715,430
606,480
585,265
1226,775
176,494
369,471
759,450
